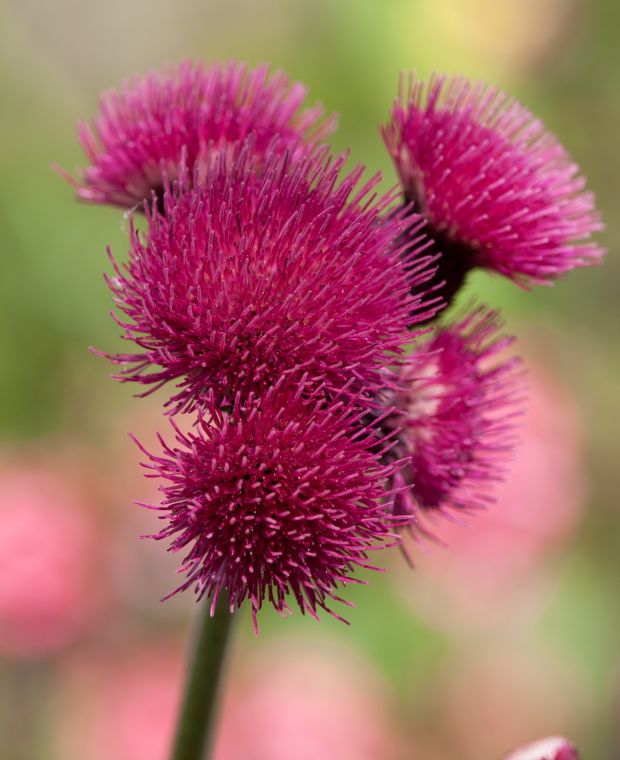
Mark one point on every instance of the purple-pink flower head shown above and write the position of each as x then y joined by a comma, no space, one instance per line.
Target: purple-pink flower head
455,411
155,123
283,496
251,278
498,190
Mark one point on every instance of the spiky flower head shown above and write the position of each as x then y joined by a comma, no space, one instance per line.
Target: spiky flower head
552,748
249,278
455,412
181,115
281,496
498,190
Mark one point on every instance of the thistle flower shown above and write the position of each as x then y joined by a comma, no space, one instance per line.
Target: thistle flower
497,190
145,131
455,413
552,748
50,564
249,279
282,496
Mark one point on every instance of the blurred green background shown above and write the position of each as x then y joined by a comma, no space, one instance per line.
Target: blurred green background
441,679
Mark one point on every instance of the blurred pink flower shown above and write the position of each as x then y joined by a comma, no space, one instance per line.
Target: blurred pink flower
119,705
489,699
290,702
50,576
551,748
477,576
300,702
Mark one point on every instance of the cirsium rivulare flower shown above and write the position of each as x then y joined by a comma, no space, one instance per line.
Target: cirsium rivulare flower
497,189
250,278
154,123
283,496
455,413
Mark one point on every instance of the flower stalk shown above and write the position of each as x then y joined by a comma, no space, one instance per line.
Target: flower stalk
196,726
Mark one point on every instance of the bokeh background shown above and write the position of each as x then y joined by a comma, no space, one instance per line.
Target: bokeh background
510,634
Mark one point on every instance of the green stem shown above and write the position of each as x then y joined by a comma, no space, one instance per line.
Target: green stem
197,719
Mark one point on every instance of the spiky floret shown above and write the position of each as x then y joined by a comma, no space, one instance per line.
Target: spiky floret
146,130
456,411
250,278
498,190
281,496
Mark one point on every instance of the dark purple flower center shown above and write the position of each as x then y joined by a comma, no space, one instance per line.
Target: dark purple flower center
156,201
455,260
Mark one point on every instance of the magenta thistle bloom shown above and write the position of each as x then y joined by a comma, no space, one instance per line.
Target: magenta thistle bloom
249,279
455,412
283,496
146,131
552,748
498,190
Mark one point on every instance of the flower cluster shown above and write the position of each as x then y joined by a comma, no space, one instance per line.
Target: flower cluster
285,299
